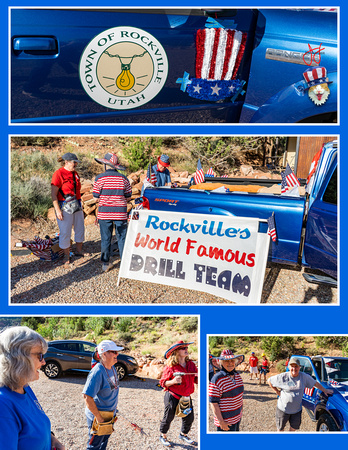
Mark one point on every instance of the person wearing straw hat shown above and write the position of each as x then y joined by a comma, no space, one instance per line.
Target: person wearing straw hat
178,380
114,192
66,198
289,387
226,392
101,394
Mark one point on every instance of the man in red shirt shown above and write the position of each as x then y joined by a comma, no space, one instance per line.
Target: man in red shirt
253,360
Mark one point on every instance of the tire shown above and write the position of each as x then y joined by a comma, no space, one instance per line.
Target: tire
326,423
121,371
52,369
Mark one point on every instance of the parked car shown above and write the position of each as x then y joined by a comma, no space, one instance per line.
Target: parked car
150,66
329,412
76,356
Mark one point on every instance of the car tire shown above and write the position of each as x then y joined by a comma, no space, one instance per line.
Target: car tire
121,371
52,369
326,423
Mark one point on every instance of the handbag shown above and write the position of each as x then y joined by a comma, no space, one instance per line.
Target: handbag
104,428
71,205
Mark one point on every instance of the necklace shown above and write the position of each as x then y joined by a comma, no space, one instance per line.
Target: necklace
115,385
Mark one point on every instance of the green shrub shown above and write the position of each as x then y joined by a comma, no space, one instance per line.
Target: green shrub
123,324
30,199
137,151
280,366
189,324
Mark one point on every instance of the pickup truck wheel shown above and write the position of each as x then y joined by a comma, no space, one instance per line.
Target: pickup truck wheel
52,369
326,423
121,371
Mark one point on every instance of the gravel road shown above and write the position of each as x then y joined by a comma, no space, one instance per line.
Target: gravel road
259,408
36,281
140,402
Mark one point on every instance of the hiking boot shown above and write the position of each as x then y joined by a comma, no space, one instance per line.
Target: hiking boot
107,266
164,441
186,439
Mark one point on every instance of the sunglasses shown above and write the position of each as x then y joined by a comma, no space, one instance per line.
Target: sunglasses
113,351
39,355
183,348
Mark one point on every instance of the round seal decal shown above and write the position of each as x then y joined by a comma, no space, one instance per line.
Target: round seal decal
123,68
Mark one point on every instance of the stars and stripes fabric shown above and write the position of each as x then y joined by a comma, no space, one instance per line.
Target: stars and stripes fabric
42,248
151,176
284,186
333,382
199,175
227,391
291,178
210,173
272,228
309,391
219,53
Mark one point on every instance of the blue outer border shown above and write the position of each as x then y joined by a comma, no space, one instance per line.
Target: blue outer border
220,319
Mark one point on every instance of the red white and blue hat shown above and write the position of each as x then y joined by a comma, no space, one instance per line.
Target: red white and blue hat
315,76
228,355
164,160
176,346
110,159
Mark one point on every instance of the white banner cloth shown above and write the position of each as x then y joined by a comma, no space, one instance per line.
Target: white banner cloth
221,255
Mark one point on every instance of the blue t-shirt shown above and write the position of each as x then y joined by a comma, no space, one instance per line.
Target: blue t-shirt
24,425
103,386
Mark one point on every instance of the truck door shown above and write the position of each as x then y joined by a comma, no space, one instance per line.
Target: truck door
66,64
320,246
308,399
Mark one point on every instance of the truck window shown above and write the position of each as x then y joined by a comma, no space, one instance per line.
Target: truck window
306,367
330,194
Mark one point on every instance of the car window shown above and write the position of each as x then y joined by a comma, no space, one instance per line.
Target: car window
306,367
60,346
336,369
330,194
88,348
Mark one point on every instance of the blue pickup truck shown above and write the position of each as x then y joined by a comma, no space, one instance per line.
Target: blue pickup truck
109,65
306,225
329,412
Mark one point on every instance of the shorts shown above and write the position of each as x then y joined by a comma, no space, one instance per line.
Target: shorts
283,418
253,370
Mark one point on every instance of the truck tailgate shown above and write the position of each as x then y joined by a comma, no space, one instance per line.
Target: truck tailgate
288,211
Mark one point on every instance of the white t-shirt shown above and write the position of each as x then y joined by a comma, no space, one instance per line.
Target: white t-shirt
292,389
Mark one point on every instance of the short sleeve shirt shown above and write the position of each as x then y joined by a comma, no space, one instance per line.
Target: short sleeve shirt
64,179
292,389
103,386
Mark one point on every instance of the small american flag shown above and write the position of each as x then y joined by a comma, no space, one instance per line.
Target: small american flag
210,173
309,391
151,176
224,176
271,228
284,186
291,179
333,382
199,175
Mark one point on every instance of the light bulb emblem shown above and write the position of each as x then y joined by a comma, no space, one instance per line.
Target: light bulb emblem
125,80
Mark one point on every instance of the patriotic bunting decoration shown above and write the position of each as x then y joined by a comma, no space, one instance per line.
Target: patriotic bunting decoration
42,248
317,84
151,176
272,228
309,392
219,55
210,173
199,175
291,178
333,382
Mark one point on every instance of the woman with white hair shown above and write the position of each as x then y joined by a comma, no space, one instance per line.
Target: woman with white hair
226,392
101,396
25,426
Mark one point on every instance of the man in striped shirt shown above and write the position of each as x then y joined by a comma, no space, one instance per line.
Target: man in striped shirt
113,191
226,393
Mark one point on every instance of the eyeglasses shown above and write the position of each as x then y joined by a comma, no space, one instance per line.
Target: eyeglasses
183,348
39,355
113,351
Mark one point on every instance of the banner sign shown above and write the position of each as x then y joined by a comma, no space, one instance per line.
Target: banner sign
221,255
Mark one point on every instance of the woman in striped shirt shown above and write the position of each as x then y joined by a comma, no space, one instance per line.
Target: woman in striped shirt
226,393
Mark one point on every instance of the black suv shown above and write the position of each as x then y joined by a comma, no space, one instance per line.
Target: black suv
71,355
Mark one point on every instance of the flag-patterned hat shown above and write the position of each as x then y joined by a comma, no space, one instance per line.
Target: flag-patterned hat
176,346
110,159
228,355
315,76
